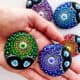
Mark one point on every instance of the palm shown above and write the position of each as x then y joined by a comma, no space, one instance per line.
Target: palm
42,30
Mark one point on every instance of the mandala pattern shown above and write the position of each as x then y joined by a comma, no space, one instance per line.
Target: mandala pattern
71,46
20,50
67,15
54,59
75,39
44,10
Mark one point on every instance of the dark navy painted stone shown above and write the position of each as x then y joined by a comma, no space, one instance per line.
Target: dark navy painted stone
54,59
44,9
36,1
67,15
29,4
20,50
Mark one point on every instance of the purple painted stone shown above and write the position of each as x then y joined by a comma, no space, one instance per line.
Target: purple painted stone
54,59
44,9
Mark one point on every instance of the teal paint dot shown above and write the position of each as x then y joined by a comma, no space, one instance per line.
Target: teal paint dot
66,63
26,63
14,63
78,40
66,53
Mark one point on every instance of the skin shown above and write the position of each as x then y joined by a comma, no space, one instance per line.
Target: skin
13,20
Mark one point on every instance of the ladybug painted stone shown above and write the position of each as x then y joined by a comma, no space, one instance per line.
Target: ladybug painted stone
54,59
20,50
67,15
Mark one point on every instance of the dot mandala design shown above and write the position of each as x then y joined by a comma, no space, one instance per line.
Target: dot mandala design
54,59
71,46
67,15
44,10
21,50
76,39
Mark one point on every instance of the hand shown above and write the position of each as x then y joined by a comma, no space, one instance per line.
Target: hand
13,20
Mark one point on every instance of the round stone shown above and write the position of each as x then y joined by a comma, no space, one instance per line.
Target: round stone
52,60
75,39
44,9
66,16
21,45
29,3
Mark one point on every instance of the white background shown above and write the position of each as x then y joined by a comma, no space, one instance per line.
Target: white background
5,75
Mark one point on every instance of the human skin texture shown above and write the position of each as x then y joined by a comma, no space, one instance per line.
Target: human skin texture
13,20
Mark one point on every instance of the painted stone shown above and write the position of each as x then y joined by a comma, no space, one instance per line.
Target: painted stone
20,50
67,15
76,40
44,9
54,59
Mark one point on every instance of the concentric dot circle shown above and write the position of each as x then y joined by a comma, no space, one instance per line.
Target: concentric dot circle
76,39
44,9
29,3
71,46
52,60
65,16
21,45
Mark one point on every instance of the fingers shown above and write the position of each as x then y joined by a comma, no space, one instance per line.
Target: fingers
41,40
75,66
59,78
46,27
40,72
71,75
32,75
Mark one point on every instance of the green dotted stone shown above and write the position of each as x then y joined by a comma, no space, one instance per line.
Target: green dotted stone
21,45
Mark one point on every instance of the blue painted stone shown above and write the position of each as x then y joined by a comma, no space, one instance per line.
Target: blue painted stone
52,60
65,16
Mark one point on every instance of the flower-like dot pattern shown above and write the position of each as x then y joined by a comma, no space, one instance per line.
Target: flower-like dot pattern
44,10
54,59
67,15
20,45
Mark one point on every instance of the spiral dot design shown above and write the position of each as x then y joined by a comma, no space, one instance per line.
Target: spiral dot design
21,45
54,59
66,15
